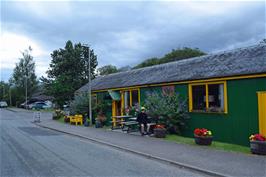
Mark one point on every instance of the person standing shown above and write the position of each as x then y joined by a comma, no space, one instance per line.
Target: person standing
142,119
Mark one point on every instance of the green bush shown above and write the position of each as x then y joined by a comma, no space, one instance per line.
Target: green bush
168,109
58,114
80,104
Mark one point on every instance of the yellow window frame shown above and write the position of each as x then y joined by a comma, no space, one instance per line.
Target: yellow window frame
130,98
207,93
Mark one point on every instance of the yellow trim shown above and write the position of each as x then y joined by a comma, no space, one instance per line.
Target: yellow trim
207,95
185,82
113,112
190,96
225,98
122,102
262,112
130,98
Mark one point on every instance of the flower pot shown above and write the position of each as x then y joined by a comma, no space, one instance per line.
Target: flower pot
98,124
159,132
258,147
203,140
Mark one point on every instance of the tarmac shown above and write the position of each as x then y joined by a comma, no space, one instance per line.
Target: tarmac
198,158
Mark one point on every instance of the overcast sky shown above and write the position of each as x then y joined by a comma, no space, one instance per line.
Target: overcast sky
125,33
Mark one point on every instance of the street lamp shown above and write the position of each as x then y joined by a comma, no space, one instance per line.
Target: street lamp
89,60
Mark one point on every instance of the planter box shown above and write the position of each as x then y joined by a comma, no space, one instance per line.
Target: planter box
159,132
258,147
202,140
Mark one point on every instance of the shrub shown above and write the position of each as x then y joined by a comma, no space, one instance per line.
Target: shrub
168,109
58,114
80,104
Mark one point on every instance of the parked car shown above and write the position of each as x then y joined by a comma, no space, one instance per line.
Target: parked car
39,105
3,104
23,105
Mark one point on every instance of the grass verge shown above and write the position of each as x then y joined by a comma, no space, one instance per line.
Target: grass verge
61,120
215,144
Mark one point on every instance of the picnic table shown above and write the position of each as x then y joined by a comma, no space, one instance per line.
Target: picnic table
118,121
132,125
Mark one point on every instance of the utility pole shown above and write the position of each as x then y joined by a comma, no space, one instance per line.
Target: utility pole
89,60
10,100
26,94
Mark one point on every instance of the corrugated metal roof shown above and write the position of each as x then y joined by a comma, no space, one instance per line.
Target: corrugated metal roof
242,61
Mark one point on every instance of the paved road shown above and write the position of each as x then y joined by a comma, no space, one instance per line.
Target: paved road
27,150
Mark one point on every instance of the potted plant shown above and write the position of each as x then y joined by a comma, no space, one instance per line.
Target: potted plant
203,136
101,118
159,131
258,144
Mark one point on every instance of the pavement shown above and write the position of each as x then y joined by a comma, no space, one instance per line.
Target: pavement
199,158
27,150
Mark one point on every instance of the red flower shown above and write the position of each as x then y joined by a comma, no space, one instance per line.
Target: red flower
257,137
159,126
202,132
198,132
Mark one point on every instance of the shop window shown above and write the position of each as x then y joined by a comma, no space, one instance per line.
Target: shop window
208,97
216,97
199,98
135,97
126,99
130,98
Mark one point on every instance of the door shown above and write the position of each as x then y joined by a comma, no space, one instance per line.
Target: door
262,112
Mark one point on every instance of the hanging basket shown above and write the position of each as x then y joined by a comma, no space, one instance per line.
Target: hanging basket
203,140
258,147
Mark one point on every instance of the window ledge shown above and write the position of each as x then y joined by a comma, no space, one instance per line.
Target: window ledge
207,112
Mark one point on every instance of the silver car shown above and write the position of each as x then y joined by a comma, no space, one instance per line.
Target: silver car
3,104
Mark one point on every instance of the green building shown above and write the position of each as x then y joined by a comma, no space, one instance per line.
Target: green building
226,91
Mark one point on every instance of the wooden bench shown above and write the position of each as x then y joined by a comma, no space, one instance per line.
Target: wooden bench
130,126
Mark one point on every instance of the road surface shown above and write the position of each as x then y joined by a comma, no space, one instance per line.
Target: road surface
28,150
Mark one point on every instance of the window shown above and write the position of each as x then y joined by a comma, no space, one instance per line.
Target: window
198,97
135,97
126,99
130,98
208,97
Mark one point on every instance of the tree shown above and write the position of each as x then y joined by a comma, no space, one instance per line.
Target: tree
24,77
69,70
4,91
174,55
108,69
148,62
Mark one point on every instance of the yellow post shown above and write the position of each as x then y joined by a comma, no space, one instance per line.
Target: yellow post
207,97
113,112
262,112
190,97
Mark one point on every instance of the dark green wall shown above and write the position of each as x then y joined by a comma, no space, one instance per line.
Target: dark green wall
101,96
242,118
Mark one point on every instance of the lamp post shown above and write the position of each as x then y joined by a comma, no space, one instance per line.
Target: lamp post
89,75
10,97
26,90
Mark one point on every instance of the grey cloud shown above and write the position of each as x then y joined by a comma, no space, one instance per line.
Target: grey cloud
125,33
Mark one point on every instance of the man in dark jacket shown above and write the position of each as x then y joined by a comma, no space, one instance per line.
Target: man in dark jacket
142,119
